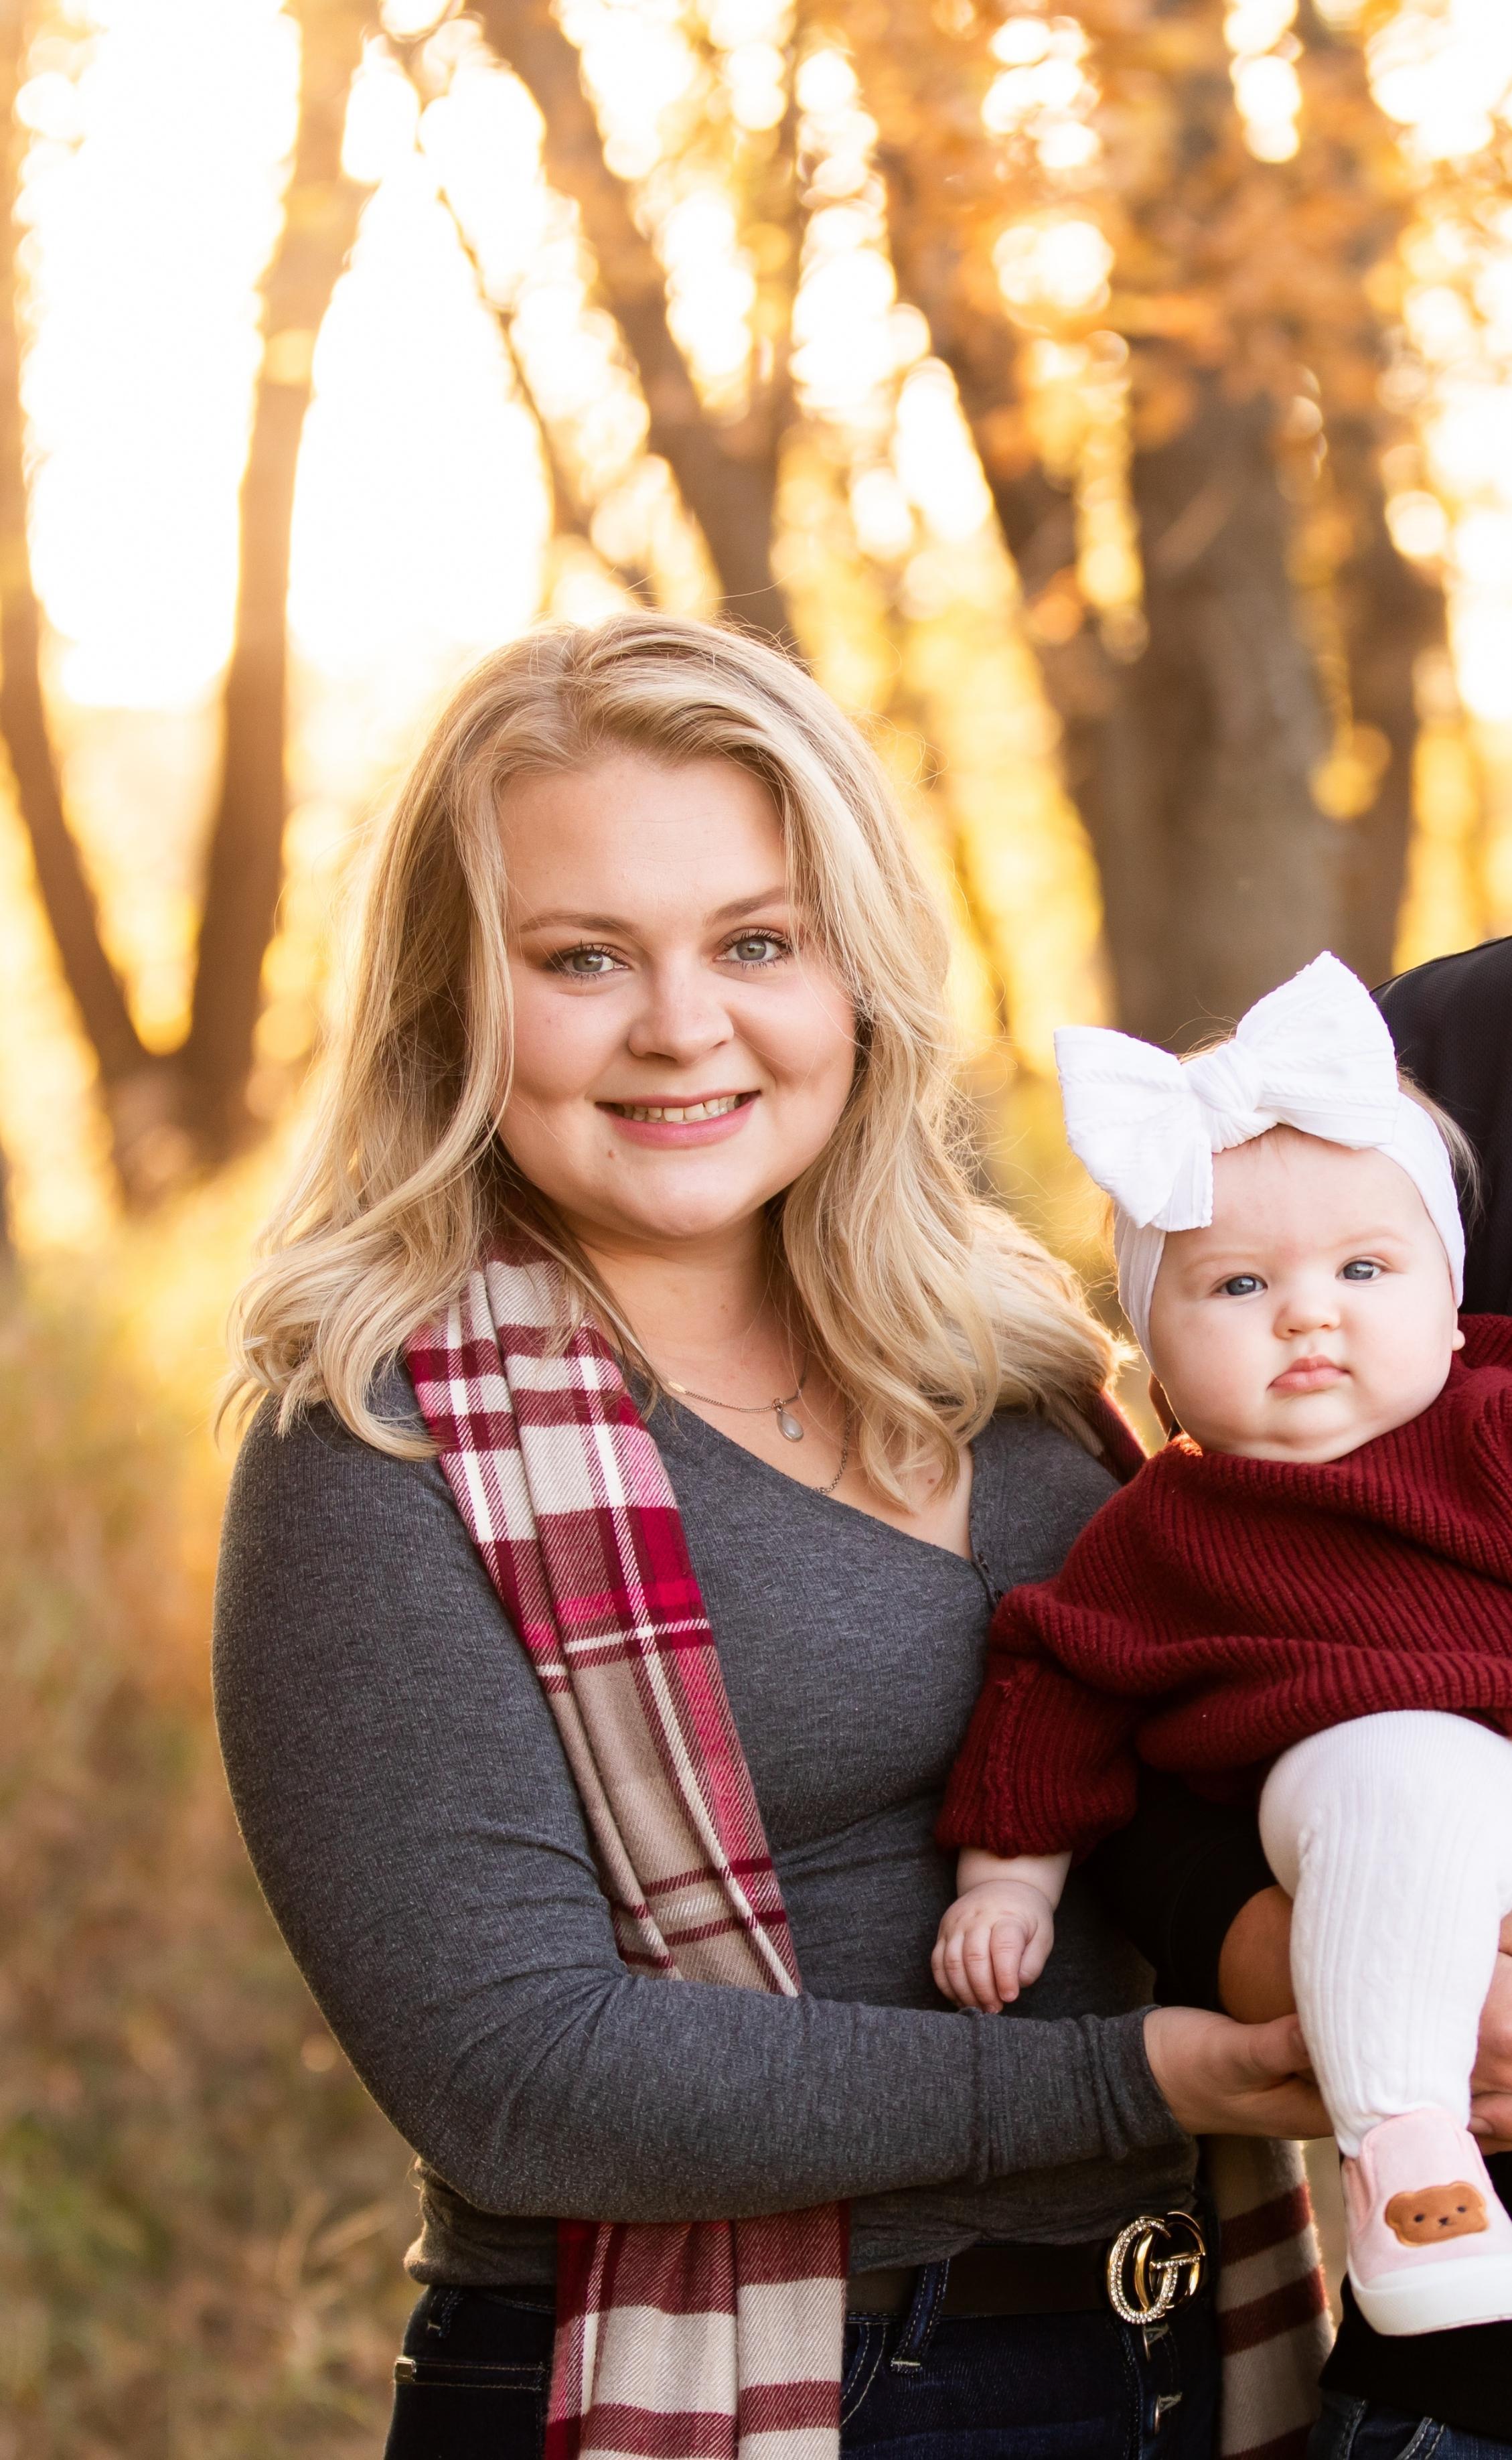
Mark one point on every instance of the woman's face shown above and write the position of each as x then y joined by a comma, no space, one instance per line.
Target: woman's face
680,1055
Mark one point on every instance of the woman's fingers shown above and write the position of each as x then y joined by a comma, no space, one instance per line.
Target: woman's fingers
1255,1968
1493,2072
1223,2078
1491,2120
1268,2052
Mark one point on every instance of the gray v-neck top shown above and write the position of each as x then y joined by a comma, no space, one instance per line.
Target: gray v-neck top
411,1816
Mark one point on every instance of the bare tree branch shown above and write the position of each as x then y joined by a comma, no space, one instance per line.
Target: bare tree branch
245,865
728,479
65,889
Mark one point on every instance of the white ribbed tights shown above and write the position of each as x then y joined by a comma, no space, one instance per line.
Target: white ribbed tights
1392,1834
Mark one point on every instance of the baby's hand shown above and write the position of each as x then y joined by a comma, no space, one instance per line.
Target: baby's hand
993,1942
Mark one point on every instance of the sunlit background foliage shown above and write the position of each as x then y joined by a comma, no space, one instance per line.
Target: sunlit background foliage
1112,403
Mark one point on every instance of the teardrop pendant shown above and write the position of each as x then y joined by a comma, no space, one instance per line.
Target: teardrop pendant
788,1424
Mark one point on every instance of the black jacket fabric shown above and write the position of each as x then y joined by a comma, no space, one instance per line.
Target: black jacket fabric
1451,1021
1452,1024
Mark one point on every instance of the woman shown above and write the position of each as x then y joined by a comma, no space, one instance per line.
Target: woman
650,996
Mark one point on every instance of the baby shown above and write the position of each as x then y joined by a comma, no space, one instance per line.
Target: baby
1306,1596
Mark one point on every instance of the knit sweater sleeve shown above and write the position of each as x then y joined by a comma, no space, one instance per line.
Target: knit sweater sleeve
1048,1763
1488,1428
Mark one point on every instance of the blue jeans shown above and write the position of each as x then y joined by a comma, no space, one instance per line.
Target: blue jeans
1357,2430
470,2384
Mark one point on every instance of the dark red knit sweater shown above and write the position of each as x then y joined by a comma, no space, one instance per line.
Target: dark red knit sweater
1217,1610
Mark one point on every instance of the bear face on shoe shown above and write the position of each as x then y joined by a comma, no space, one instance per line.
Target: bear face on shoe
1432,2213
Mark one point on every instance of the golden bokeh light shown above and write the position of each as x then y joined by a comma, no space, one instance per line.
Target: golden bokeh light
475,450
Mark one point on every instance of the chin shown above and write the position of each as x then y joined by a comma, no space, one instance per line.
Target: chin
664,1222
1322,1444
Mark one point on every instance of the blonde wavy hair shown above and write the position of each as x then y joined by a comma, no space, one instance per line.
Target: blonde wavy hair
927,1308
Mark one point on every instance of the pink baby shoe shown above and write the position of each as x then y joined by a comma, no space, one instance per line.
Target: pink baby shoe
1430,2243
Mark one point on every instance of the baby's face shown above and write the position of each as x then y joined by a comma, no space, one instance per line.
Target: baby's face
1314,1312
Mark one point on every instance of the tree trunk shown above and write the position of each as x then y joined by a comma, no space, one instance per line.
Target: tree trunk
728,477
1190,763
1228,725
1388,614
129,1073
1388,609
245,863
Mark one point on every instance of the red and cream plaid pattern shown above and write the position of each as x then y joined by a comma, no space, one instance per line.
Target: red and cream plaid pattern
675,2340
1274,2329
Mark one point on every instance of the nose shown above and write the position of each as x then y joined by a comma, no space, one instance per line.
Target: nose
1308,1304
681,1015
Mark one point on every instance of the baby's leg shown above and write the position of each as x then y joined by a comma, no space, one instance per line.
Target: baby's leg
1392,1835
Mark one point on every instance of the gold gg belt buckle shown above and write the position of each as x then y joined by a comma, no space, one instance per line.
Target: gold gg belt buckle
1155,2264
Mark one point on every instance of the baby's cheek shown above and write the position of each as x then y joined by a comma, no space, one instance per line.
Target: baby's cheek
1216,1380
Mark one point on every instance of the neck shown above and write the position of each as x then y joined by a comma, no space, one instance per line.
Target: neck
702,1302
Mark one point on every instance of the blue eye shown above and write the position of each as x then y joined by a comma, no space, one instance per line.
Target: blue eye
1360,1268
584,964
757,949
1240,1285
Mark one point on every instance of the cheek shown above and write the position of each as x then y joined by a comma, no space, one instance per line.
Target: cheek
806,1037
560,1044
1216,1352
1410,1337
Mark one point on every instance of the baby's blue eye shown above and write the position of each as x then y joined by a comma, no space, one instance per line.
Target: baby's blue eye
1360,1268
1240,1285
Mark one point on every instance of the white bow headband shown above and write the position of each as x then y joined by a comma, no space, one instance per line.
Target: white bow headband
1315,1055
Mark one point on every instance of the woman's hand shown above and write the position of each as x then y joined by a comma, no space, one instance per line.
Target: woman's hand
1491,2084
1225,2079
1254,1966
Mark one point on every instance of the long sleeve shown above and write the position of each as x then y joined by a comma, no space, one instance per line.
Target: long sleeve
1047,1763
407,1806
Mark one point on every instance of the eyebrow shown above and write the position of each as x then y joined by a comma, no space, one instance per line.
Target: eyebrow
732,913
1242,1254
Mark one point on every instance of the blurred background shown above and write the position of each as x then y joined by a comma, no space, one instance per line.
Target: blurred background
1112,403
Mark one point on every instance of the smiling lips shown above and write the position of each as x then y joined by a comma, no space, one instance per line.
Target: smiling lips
705,1121
714,1108
1309,1375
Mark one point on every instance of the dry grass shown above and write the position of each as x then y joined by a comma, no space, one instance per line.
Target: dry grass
200,2212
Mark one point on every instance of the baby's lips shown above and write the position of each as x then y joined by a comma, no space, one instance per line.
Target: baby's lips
1309,1375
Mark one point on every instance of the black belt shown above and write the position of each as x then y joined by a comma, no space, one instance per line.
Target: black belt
1154,2264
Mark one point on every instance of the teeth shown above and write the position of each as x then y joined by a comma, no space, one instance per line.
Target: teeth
714,1110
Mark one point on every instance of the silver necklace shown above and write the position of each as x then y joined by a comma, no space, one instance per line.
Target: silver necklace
782,1409
845,1454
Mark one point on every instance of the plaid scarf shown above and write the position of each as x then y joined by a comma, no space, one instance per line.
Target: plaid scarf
675,2340
679,2341
1274,2329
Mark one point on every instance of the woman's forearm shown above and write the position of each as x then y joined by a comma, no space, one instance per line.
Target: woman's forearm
659,2101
